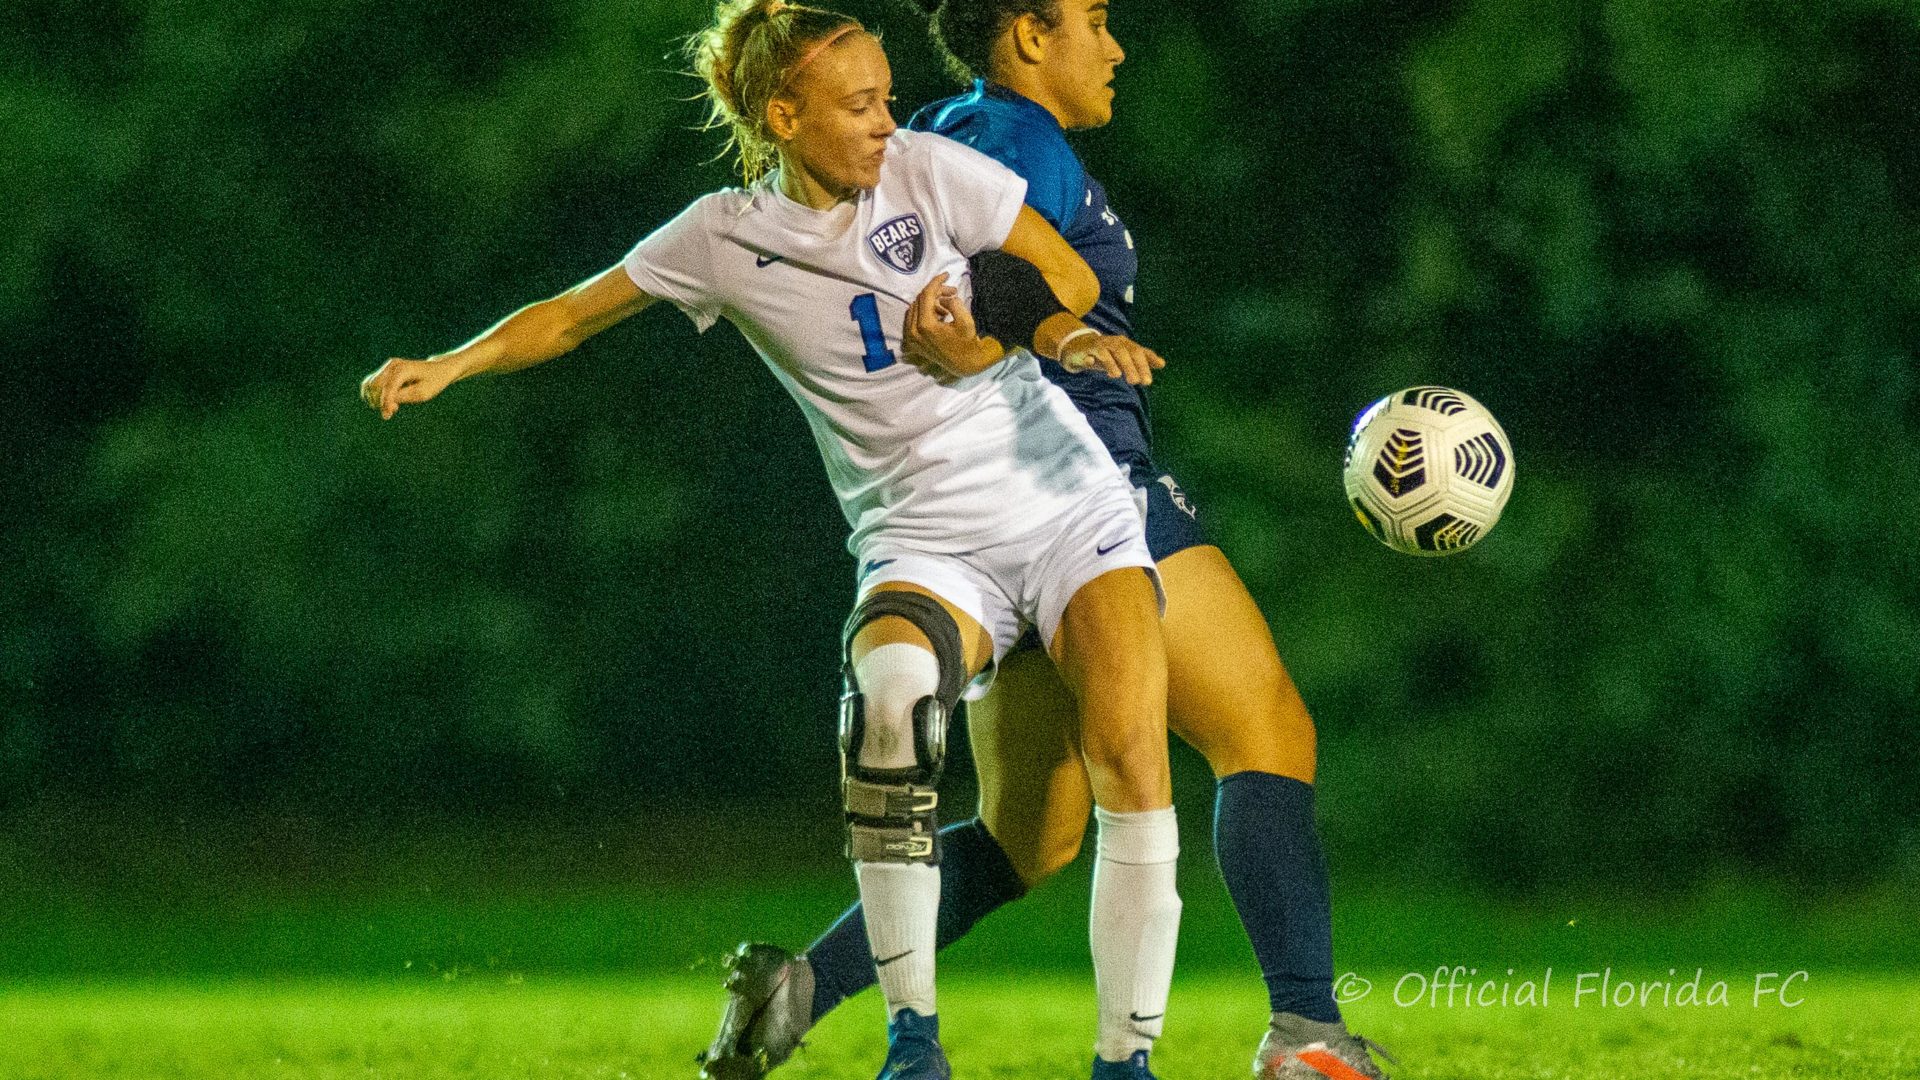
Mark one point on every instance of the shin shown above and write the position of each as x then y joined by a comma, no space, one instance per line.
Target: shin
893,724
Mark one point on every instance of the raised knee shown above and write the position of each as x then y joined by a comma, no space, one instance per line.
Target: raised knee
1246,733
1036,862
1053,860
1257,722
1266,690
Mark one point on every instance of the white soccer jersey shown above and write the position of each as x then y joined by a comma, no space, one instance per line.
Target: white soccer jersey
822,296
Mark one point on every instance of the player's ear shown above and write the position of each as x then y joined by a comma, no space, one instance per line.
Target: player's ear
783,117
1029,38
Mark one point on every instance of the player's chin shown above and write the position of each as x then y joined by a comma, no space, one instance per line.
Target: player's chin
1098,112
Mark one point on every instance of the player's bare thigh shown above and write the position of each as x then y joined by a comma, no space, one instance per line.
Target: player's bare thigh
1108,650
1034,795
975,642
1228,694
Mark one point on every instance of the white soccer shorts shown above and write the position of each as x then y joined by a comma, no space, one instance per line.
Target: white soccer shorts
1007,586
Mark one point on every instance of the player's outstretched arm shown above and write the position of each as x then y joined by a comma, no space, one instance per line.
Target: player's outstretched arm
534,334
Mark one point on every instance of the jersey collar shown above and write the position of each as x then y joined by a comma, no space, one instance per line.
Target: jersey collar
766,192
1021,102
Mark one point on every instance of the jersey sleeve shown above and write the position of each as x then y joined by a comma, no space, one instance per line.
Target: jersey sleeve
978,197
1056,181
675,263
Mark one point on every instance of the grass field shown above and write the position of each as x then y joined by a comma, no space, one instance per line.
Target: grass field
1036,1028
446,956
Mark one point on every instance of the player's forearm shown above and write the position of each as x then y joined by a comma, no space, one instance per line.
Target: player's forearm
1053,333
533,335
1067,274
1074,284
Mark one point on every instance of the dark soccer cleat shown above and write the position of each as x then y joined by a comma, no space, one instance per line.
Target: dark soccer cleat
1134,1068
1296,1048
769,1007
913,1049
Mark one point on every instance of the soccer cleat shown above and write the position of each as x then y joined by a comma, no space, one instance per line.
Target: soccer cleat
769,1007
1296,1048
913,1049
1134,1068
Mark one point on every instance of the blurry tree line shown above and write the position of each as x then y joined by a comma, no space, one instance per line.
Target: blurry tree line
1671,243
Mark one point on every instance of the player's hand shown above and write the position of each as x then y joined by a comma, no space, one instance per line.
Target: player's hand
405,382
940,337
1120,357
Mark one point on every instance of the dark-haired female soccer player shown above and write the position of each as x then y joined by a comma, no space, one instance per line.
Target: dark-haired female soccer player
980,499
1037,69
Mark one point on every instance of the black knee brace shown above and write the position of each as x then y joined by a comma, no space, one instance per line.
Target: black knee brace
892,814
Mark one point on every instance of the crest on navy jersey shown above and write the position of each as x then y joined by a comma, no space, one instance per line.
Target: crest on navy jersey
900,243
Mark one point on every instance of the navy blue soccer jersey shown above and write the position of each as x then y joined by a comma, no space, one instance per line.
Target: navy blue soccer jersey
1022,135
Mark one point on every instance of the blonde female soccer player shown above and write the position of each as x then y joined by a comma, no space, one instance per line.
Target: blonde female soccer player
1036,69
980,500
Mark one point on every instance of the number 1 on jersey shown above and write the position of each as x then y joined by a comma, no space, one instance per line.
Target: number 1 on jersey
866,312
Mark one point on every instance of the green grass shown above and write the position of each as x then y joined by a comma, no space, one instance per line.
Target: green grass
639,929
553,953
1035,1028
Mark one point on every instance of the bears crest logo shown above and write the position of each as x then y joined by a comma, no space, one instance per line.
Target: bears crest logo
900,243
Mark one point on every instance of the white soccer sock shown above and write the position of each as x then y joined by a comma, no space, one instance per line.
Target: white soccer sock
1134,927
902,900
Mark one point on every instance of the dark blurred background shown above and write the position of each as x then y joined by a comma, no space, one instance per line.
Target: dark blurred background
250,633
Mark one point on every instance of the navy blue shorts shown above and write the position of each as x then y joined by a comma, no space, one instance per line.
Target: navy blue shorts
1173,522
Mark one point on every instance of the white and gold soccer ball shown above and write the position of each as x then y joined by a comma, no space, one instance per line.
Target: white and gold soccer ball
1428,470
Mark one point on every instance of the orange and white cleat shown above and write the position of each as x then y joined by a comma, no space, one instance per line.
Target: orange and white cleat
1296,1048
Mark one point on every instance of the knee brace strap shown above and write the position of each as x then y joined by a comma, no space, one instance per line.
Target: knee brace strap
931,619
892,843
881,802
892,813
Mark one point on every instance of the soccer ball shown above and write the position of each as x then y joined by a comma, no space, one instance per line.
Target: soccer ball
1428,470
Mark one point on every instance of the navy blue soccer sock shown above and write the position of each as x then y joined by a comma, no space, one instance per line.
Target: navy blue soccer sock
976,878
1268,846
